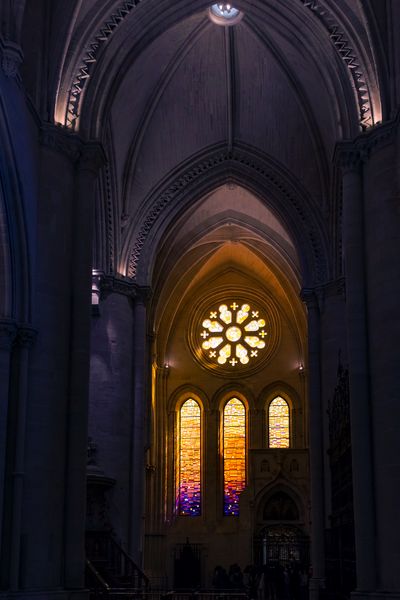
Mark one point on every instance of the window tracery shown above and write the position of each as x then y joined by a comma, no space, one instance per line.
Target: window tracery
233,334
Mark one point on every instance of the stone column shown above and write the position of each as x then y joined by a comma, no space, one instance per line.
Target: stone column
140,406
357,341
316,446
90,161
8,332
25,339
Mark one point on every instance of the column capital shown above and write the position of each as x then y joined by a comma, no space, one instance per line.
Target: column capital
60,139
11,56
8,332
114,285
349,155
92,157
86,155
311,297
26,336
319,294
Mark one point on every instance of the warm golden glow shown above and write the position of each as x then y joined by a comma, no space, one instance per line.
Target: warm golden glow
189,459
232,323
234,444
278,423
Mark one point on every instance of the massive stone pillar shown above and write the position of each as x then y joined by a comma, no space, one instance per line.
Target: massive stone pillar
381,198
8,331
316,445
120,402
141,405
371,244
90,160
47,501
111,389
357,340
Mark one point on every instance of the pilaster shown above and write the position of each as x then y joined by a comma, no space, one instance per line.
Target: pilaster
351,158
317,582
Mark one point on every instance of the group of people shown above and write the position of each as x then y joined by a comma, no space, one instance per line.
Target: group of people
268,582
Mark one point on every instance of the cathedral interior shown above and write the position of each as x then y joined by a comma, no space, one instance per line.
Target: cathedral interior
199,299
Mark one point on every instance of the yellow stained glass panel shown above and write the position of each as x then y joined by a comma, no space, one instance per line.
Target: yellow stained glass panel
234,452
189,458
278,424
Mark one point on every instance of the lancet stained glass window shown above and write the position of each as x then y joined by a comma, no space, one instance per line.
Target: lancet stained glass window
189,459
278,424
234,449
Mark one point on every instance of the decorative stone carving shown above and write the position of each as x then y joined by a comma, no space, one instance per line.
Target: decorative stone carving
349,155
88,156
8,331
26,336
11,58
261,170
347,50
90,57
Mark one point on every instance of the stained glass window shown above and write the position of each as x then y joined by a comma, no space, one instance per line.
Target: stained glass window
189,459
234,449
233,335
278,424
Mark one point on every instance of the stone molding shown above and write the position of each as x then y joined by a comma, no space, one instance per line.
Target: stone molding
86,155
26,336
11,57
349,155
15,334
347,50
315,297
89,59
108,284
260,168
8,332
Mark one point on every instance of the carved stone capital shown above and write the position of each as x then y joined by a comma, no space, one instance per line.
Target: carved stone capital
319,294
349,155
87,156
26,336
143,294
92,157
116,285
61,140
8,332
11,57
310,297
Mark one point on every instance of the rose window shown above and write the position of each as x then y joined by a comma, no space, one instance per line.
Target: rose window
233,335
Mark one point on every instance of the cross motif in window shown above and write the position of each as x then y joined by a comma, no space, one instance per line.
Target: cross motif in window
213,354
254,353
234,306
262,333
213,314
254,313
233,362
204,334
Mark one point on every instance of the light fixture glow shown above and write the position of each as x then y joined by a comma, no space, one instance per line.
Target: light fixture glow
223,13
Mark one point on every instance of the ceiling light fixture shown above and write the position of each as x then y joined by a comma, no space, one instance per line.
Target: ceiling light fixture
223,13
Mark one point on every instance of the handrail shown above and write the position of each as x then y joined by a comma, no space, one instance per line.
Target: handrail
143,576
97,575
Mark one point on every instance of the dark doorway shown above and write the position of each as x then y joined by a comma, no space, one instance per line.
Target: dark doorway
187,566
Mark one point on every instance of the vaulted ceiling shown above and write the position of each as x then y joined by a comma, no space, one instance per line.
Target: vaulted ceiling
165,88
